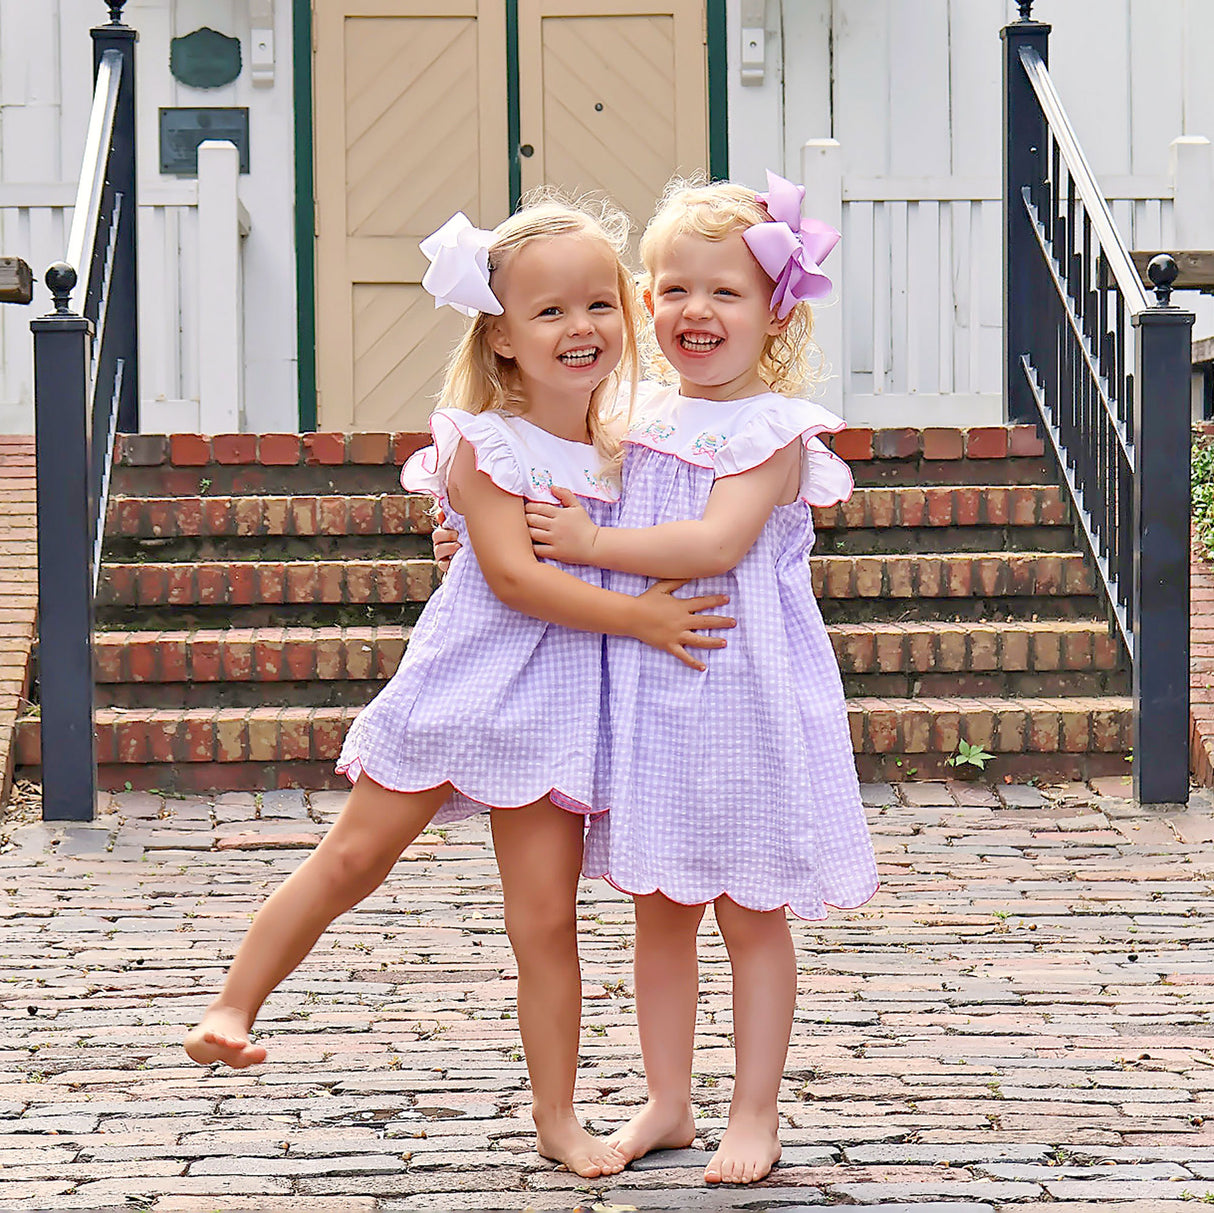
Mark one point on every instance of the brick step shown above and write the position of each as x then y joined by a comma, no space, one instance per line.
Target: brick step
250,655
253,582
369,653
258,746
1041,658
952,575
248,517
334,666
932,506
303,582
190,464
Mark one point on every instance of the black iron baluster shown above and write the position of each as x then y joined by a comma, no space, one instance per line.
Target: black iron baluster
1050,209
1121,381
1126,540
1103,274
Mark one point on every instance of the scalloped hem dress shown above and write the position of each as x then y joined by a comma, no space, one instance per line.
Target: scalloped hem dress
738,780
503,706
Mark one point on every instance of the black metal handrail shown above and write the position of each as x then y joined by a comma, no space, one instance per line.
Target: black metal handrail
86,389
1105,374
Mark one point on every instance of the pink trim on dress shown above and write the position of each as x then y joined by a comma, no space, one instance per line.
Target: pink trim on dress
355,768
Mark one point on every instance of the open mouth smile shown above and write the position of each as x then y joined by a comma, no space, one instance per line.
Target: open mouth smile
699,343
577,359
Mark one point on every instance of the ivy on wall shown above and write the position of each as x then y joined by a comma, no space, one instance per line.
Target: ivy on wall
1203,493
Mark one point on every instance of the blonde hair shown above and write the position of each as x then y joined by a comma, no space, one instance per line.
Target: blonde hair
478,378
791,362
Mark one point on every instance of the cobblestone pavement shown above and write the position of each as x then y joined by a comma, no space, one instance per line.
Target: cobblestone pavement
1019,1020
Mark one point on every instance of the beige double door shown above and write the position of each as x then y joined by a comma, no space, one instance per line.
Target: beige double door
411,120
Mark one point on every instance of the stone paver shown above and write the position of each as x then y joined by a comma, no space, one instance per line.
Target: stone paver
1019,1020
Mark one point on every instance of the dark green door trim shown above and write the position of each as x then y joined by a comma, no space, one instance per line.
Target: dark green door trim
305,217
512,111
718,92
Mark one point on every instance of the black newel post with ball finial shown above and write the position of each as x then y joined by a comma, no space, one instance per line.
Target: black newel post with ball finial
62,358
1162,507
86,389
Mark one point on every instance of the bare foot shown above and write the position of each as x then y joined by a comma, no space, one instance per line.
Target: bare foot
223,1036
655,1127
748,1151
566,1141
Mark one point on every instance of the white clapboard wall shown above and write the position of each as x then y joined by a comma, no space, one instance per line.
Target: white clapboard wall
45,94
910,93
909,90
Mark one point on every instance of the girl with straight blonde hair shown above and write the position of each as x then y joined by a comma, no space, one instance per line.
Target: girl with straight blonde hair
496,701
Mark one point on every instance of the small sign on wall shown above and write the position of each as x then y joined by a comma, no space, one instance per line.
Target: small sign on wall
182,130
205,59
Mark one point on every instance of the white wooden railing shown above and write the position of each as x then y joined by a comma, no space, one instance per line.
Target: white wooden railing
191,351
913,329
223,224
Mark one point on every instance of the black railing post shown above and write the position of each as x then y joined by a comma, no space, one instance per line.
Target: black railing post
1161,545
122,323
1026,286
62,343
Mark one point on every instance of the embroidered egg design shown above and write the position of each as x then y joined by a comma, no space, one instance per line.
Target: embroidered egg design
541,478
707,443
658,430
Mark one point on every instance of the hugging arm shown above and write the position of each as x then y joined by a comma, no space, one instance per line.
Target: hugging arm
737,510
497,530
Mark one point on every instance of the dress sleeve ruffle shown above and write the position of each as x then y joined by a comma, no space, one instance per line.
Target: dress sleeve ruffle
426,471
825,478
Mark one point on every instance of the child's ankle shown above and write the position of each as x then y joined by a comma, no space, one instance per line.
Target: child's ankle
761,1116
553,1117
231,1014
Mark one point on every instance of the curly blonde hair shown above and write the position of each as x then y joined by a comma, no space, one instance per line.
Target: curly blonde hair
478,378
791,362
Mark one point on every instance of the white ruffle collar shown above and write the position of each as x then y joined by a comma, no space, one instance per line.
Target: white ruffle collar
733,436
517,455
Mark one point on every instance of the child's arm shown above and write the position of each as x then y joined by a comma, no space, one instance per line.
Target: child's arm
737,510
497,530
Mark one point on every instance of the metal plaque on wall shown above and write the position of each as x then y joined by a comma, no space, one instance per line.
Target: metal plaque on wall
205,59
182,130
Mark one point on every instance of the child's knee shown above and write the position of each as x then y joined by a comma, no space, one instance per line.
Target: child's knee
350,869
541,927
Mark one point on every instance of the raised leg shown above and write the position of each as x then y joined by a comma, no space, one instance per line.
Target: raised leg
373,828
667,980
764,966
539,855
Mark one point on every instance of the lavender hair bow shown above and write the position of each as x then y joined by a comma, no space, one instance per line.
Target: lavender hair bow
790,249
458,276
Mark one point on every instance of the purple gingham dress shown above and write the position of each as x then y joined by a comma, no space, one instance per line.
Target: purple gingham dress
737,780
503,706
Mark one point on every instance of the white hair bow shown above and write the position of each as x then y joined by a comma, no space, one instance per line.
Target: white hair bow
458,276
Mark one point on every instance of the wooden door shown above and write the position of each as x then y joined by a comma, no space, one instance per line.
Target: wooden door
410,126
612,96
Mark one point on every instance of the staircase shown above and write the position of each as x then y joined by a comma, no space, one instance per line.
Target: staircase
258,589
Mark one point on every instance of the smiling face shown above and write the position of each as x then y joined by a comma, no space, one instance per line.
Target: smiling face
711,314
562,322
